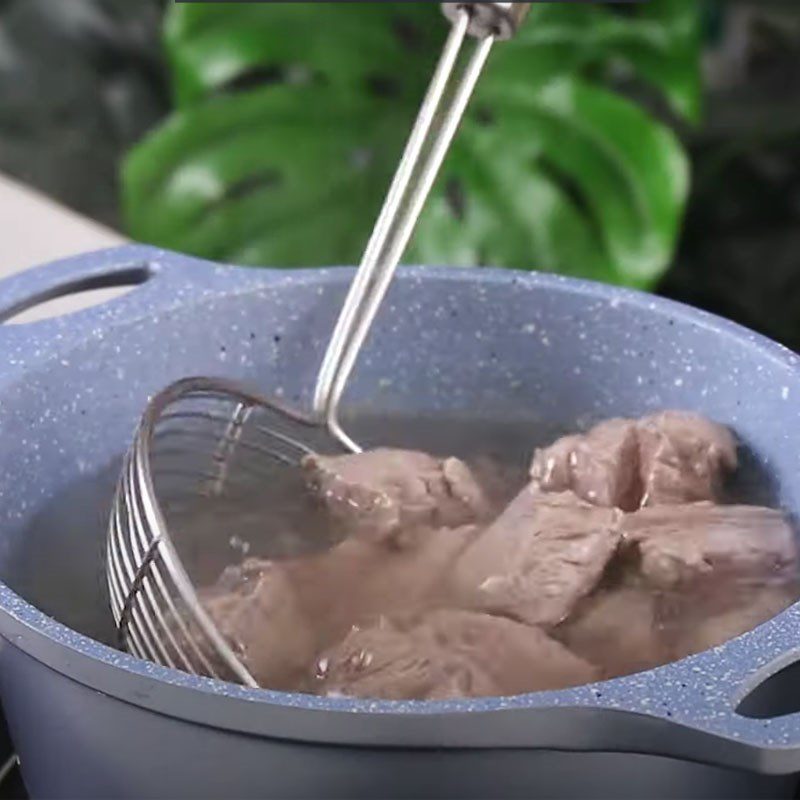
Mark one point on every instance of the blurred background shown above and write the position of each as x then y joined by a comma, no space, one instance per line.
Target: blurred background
656,146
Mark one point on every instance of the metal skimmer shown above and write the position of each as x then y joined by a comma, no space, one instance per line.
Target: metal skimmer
210,441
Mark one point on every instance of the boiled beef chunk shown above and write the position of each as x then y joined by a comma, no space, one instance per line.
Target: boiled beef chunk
619,629
628,629
389,495
446,654
667,458
700,626
680,545
601,466
538,559
360,580
389,661
518,658
683,458
255,608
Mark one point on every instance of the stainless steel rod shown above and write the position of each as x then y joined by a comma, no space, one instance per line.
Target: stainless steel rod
405,200
397,191
397,243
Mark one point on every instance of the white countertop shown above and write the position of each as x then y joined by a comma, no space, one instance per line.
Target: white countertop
34,230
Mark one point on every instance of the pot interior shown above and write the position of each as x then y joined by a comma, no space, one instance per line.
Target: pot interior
507,361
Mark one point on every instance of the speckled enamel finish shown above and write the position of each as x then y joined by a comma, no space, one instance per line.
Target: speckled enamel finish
526,345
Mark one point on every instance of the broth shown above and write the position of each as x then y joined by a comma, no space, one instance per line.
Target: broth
369,605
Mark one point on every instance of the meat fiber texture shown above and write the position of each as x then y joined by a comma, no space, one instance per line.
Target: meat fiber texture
619,629
669,458
256,609
445,654
390,495
682,546
543,554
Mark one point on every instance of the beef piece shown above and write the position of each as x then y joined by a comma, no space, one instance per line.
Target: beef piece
601,466
386,661
255,608
629,629
359,580
518,658
683,458
699,627
448,653
617,629
672,457
542,554
679,545
389,495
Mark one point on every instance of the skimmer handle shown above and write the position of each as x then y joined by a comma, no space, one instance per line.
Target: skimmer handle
427,146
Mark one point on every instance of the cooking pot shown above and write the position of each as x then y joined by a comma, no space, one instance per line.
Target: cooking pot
91,721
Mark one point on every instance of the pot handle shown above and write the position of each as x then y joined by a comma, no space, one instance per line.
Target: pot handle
688,711
737,706
115,267
159,277
763,714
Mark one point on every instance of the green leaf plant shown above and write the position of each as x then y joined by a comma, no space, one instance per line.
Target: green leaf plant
290,118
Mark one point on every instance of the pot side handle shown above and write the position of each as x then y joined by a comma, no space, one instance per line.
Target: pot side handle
156,279
680,711
764,717
726,714
129,266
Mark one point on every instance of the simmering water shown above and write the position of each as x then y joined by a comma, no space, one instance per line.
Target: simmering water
278,521
58,564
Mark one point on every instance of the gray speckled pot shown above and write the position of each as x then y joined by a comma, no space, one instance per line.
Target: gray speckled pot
89,721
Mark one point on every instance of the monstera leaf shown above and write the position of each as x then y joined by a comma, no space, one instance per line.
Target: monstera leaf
290,119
